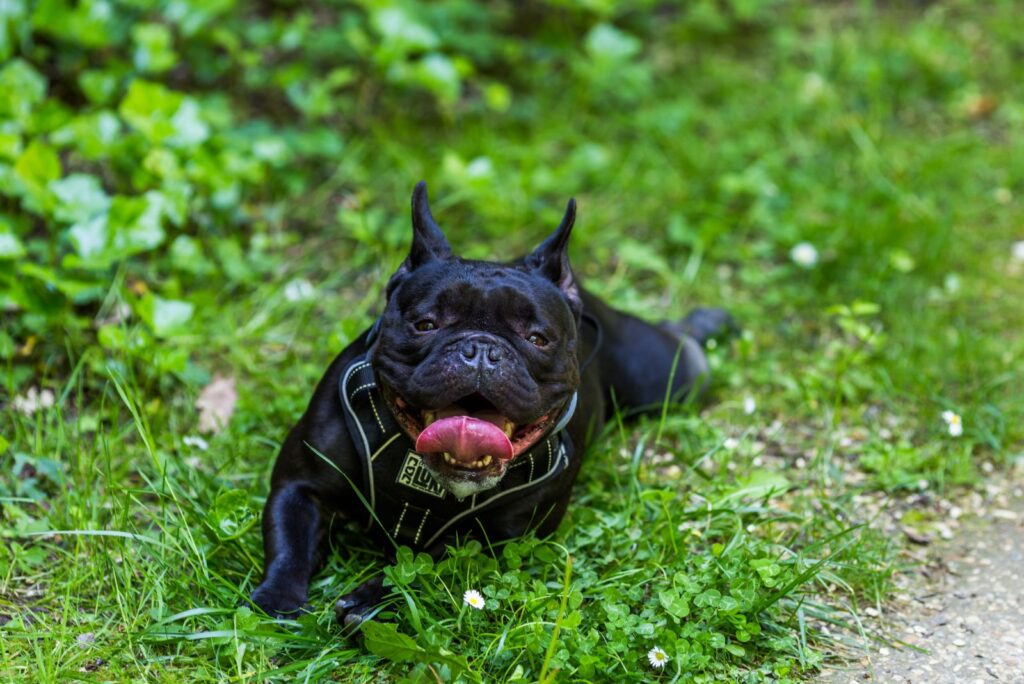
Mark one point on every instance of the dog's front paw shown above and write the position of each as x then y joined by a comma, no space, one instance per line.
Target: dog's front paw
357,606
278,602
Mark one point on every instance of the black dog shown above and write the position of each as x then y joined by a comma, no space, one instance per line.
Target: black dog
466,409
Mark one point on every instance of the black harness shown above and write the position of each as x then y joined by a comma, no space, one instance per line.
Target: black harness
404,499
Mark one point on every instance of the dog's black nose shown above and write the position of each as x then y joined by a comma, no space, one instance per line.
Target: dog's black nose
494,353
480,352
469,351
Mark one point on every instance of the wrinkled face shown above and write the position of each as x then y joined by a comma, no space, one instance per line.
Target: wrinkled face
477,361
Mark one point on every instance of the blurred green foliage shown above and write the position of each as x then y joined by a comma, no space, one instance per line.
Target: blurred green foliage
194,187
170,142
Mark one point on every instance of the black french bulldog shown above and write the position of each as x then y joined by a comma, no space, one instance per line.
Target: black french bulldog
466,409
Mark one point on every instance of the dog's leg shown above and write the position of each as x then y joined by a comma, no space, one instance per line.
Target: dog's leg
355,607
293,531
642,363
703,324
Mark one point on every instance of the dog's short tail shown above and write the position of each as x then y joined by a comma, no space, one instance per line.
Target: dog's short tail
703,324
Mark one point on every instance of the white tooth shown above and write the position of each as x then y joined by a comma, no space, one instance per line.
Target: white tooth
509,428
429,417
485,461
448,458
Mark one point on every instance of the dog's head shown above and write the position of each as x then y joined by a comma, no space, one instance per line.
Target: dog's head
477,359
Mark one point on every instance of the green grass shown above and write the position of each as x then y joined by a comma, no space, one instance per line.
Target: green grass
890,139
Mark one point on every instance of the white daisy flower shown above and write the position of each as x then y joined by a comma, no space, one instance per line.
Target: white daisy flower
1017,251
196,442
804,254
731,443
749,405
33,401
954,422
473,599
299,290
657,657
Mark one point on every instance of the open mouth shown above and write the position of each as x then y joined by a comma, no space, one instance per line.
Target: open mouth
470,434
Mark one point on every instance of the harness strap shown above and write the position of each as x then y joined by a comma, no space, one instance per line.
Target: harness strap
418,511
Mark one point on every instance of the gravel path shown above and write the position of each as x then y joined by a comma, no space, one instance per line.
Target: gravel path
962,622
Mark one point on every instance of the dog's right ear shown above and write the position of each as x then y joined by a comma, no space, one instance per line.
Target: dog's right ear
428,241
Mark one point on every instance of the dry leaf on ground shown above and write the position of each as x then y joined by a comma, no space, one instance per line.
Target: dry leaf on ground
216,404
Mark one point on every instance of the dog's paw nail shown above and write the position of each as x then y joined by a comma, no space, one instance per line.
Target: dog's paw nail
353,620
345,604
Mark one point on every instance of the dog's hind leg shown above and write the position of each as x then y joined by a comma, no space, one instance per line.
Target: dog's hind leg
644,364
703,324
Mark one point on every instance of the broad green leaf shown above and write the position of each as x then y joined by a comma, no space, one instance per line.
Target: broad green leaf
149,108
757,485
400,33
10,144
438,74
21,89
136,223
90,23
189,128
90,237
77,290
674,603
165,317
10,246
154,48
231,514
605,42
187,255
13,14
80,197
94,135
131,225
384,640
99,86
37,166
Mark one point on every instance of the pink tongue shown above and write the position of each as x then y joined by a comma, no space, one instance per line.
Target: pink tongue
464,437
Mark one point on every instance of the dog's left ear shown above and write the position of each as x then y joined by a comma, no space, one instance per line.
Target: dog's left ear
551,259
428,241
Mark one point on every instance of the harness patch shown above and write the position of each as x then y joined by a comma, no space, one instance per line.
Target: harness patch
405,501
414,474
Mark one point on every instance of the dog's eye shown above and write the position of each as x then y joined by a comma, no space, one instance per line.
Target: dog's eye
426,325
537,340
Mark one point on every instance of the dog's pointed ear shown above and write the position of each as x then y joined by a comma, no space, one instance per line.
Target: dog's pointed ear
551,259
428,241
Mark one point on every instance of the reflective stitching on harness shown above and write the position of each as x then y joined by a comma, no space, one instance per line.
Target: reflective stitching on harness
485,504
366,444
359,389
357,410
401,517
373,405
419,530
